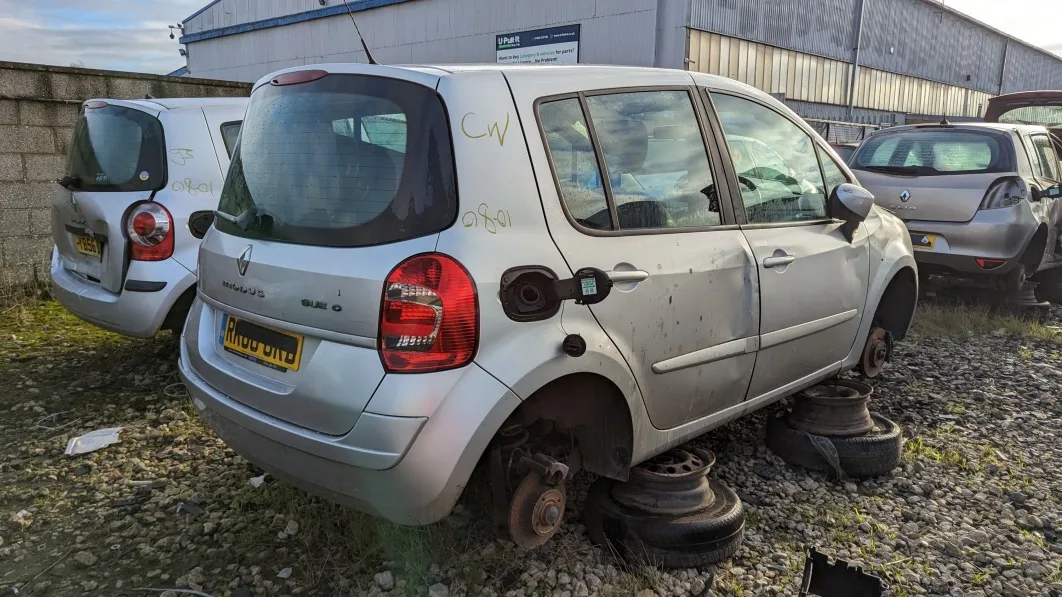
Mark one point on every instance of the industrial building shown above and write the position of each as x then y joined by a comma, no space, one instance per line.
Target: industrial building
865,61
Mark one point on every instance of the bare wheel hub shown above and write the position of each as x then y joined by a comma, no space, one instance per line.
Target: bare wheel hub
875,353
675,482
535,512
835,408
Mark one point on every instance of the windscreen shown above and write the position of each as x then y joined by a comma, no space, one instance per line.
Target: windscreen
344,161
1048,116
116,149
919,152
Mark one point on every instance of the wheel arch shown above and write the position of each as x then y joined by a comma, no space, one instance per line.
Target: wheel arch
896,307
596,412
178,311
1034,250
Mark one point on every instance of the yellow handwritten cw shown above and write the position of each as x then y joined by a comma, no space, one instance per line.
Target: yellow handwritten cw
493,130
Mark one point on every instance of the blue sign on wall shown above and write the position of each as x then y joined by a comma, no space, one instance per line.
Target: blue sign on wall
555,45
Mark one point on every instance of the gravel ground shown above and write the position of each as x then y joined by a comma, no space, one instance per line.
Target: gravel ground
974,510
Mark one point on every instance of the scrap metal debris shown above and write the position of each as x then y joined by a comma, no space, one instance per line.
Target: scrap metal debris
839,579
90,442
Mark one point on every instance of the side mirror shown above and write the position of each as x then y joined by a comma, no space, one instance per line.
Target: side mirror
851,203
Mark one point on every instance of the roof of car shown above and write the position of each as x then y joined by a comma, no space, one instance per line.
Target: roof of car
995,126
177,103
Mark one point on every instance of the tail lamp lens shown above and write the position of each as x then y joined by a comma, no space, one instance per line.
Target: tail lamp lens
429,316
150,230
990,263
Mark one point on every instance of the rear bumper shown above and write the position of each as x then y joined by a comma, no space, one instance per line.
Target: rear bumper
991,234
407,469
130,313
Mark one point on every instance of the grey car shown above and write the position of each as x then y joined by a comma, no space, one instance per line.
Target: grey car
409,263
980,200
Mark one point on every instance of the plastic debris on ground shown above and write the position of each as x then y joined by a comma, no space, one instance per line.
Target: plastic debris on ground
257,481
90,442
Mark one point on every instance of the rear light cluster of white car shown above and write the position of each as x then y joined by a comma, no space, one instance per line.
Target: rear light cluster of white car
150,229
429,316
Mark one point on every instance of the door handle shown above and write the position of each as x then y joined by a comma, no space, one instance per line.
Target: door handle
780,261
628,275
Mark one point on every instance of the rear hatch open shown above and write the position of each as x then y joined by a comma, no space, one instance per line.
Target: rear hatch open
337,178
936,174
117,158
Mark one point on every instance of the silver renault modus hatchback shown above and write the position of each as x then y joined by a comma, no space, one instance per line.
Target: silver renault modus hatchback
410,262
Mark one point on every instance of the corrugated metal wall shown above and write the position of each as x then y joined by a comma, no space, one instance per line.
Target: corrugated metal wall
917,38
1028,69
819,27
923,40
424,31
799,76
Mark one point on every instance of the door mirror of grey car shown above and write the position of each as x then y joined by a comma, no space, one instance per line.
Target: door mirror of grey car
1036,194
852,204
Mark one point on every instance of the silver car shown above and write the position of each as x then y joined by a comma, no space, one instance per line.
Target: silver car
411,262
141,184
981,200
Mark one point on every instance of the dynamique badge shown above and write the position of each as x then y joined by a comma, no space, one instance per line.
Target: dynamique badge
905,195
244,260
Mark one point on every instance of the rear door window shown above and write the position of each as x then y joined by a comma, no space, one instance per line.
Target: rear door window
930,152
344,161
116,149
1046,157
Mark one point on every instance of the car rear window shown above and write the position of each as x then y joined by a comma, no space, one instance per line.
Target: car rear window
343,161
116,149
934,152
1049,116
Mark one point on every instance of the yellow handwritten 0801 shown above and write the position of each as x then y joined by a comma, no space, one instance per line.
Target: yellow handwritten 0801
471,219
192,188
493,129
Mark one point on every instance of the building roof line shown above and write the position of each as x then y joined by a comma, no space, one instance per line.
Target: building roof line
979,23
200,11
299,17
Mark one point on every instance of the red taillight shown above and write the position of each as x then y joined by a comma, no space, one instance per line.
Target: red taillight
990,263
429,316
150,230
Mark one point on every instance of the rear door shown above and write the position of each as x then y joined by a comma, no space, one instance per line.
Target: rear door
813,281
117,158
639,193
315,213
938,174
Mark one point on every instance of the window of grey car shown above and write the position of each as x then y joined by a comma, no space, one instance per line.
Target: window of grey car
575,163
1046,157
116,149
935,152
342,161
780,179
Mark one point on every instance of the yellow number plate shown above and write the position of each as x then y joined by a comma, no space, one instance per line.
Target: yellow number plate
274,349
87,245
923,241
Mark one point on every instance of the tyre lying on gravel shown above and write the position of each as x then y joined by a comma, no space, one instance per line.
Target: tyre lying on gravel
668,514
831,430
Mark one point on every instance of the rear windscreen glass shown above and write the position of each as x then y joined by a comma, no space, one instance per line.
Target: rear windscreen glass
116,149
343,161
1049,116
934,152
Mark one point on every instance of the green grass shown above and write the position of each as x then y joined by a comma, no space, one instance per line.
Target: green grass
918,449
960,321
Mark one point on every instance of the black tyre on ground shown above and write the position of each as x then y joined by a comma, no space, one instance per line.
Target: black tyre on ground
875,453
686,541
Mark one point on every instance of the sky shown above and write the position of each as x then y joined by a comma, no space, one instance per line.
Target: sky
131,35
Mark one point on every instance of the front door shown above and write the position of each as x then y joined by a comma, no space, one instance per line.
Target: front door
813,281
637,195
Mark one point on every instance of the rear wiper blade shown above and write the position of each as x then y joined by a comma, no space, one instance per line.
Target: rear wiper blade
250,218
70,181
902,170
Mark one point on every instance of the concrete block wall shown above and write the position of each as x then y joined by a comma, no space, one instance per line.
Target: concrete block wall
38,109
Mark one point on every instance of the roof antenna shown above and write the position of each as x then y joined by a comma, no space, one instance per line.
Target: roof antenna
360,36
944,111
